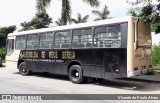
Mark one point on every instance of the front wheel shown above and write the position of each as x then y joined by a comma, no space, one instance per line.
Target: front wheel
23,70
75,74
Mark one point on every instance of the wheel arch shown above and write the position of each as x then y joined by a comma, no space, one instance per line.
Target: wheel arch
19,62
71,63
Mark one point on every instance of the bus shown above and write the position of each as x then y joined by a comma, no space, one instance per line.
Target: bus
106,49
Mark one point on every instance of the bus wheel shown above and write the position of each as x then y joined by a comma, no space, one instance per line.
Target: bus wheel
75,74
23,70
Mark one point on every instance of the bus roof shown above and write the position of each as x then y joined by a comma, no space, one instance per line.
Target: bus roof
74,26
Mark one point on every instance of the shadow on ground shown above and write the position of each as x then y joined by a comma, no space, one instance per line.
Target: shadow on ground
135,84
48,76
2,66
132,84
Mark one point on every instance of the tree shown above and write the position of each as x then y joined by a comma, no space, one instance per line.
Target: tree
80,19
41,20
102,14
59,22
150,12
66,8
156,55
4,31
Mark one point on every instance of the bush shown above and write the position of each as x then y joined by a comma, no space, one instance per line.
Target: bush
2,54
156,56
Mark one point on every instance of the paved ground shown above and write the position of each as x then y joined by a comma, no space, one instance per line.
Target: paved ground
11,82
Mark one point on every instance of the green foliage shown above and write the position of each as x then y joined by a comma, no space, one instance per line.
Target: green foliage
150,12
2,53
102,14
59,22
66,12
66,8
42,4
156,56
80,19
41,20
4,31
132,12
153,28
93,3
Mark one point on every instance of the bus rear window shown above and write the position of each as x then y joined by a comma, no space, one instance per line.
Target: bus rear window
10,46
144,35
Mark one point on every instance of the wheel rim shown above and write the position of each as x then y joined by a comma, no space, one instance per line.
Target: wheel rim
23,69
75,74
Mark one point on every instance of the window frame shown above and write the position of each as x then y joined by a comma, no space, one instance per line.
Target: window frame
85,28
54,42
106,26
45,41
32,42
25,42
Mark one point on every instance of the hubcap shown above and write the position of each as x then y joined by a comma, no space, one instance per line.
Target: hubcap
23,69
75,74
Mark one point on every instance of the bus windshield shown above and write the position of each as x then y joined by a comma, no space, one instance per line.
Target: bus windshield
10,46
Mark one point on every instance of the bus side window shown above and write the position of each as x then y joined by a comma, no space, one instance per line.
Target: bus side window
87,37
62,39
46,41
115,37
20,42
107,36
32,42
99,37
77,42
82,38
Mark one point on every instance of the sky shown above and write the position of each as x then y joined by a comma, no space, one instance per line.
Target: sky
14,12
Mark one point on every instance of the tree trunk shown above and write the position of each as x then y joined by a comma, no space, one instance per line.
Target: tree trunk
64,12
64,16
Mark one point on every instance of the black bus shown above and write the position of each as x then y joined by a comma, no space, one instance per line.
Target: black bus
113,48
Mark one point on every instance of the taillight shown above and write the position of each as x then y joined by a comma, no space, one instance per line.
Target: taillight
150,66
136,68
143,67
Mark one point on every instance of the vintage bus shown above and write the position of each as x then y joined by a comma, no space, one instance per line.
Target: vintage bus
112,48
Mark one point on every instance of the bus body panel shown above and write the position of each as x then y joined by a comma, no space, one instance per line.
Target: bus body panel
12,57
130,44
139,54
99,62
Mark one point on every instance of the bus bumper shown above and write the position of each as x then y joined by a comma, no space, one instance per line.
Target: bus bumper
139,72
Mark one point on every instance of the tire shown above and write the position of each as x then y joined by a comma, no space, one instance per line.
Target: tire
23,70
75,74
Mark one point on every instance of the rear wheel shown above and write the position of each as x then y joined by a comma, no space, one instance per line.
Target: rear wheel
75,74
23,70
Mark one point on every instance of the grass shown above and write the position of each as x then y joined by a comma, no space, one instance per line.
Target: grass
156,70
